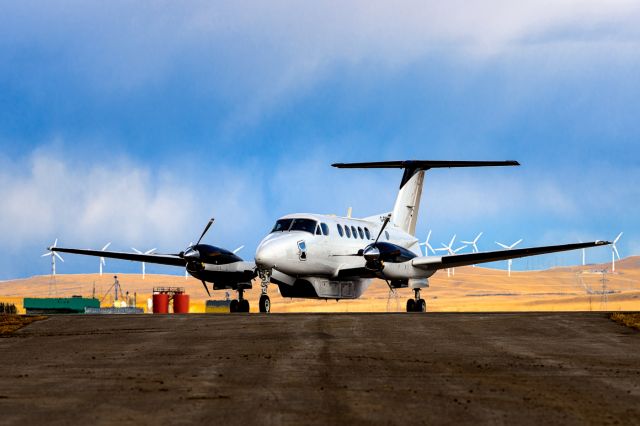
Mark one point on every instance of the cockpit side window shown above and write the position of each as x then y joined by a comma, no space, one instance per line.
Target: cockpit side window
347,231
325,228
340,230
318,231
282,225
367,233
307,225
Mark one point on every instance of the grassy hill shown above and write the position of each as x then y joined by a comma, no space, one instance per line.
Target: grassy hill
470,289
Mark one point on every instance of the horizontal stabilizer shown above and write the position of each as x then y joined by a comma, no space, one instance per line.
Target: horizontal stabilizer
423,164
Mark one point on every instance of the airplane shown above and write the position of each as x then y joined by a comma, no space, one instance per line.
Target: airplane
329,257
207,263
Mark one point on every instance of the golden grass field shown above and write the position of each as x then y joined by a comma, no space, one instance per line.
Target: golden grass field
470,289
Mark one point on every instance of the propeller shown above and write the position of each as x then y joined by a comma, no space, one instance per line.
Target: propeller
206,228
206,288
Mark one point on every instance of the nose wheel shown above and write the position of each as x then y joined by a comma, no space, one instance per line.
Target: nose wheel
416,304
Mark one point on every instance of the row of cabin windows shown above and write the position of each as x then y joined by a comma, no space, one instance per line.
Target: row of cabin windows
348,231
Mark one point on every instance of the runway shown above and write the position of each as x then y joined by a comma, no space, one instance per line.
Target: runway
534,368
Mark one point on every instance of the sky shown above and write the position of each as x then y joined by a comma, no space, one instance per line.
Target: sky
135,122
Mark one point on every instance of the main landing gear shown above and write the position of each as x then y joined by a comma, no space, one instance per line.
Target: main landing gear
240,304
265,302
416,304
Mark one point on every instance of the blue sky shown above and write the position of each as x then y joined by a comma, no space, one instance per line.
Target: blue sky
134,122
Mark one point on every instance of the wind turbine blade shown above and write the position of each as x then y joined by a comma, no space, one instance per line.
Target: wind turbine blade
516,243
47,254
466,242
502,245
428,236
615,249
238,249
452,240
106,246
150,251
55,243
58,256
477,237
102,261
136,250
614,241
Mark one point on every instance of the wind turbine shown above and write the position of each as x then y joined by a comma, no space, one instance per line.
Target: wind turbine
146,252
449,249
427,246
238,249
473,244
102,262
614,252
53,255
506,247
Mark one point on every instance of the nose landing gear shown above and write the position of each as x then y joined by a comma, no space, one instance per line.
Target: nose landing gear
416,304
265,302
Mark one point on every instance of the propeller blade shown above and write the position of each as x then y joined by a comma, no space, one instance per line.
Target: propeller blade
238,249
206,228
206,288
393,290
384,225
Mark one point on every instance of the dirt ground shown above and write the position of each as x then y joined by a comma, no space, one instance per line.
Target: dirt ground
438,368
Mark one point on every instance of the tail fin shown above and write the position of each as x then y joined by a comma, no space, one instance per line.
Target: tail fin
405,210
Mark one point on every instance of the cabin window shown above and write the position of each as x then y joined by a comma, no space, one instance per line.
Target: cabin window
355,233
282,225
340,230
347,231
386,234
367,233
325,228
306,225
360,233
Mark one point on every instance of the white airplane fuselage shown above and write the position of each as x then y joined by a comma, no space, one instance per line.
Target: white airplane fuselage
307,262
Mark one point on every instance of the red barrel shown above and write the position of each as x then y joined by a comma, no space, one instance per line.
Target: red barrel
181,303
161,303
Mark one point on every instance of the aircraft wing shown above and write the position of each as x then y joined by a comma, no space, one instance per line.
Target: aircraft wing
433,263
161,259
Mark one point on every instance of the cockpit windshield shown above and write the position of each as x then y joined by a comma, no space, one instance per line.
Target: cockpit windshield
307,225
282,225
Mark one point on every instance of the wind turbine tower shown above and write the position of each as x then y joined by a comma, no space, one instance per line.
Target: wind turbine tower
506,247
449,249
614,252
143,263
473,244
102,262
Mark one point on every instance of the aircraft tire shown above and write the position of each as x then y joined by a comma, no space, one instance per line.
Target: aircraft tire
265,304
411,305
233,306
421,306
243,305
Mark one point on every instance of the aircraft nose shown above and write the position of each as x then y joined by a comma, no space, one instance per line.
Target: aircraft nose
271,252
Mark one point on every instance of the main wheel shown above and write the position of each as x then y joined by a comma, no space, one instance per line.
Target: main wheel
233,306
421,306
411,305
243,305
265,304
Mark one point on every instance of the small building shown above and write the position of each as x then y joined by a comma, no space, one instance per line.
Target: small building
59,305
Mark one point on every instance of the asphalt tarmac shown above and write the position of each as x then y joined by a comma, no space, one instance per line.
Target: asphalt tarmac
538,368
